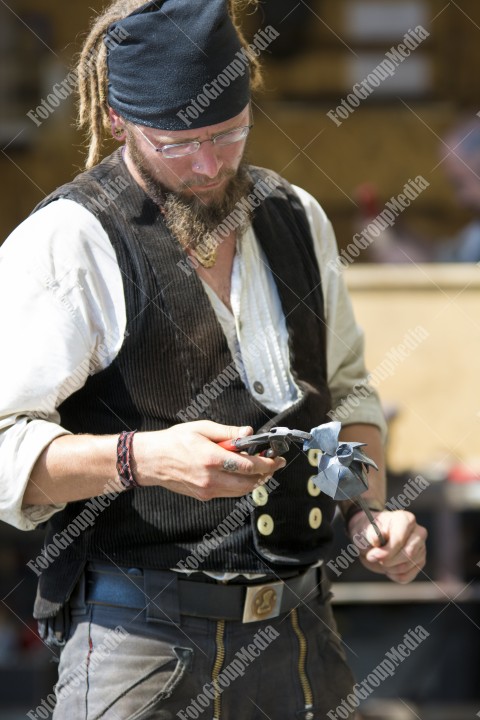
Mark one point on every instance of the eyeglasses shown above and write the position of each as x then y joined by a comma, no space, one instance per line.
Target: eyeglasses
177,150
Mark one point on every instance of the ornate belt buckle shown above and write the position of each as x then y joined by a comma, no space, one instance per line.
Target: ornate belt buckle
262,602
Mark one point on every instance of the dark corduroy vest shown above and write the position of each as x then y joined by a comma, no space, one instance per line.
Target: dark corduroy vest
173,347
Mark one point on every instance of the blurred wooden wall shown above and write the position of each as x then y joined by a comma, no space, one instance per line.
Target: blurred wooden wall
422,348
392,136
387,140
40,42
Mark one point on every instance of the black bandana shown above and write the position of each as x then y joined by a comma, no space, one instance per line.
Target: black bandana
177,64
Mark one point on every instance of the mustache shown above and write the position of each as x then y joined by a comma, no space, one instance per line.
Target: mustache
200,180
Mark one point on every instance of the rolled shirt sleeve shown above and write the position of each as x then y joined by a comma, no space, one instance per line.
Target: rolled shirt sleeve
62,318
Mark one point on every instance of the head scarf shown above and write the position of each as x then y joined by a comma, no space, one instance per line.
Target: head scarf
177,64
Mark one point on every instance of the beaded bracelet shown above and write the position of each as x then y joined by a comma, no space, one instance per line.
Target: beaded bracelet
124,449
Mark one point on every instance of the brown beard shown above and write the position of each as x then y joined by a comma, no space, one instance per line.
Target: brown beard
190,220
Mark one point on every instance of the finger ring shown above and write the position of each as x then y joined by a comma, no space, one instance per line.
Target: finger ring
230,465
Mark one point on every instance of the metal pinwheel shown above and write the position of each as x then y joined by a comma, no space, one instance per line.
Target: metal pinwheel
343,468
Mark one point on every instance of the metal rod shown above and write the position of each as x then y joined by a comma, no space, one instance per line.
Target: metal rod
360,500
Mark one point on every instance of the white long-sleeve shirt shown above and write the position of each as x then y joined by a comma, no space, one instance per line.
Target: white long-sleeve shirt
63,316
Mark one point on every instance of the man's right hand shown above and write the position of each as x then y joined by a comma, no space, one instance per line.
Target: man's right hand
187,459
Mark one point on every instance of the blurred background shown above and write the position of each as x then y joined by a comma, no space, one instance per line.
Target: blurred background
414,282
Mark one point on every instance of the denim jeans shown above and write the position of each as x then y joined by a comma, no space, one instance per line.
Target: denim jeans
118,664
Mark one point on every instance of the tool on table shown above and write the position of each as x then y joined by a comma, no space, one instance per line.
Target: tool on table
342,466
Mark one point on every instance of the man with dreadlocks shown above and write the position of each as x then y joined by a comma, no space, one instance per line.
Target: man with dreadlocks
170,298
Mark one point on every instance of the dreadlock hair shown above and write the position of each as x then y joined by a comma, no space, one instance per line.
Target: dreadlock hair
92,71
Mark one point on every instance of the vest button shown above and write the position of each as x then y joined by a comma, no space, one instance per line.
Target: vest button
312,489
315,518
265,525
260,496
258,387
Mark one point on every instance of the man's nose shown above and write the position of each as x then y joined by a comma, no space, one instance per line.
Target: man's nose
206,160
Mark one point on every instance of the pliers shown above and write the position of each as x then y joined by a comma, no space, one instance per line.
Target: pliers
275,442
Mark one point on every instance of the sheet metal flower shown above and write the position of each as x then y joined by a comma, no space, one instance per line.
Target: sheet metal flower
342,466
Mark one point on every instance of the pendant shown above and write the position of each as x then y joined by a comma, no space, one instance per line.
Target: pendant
206,253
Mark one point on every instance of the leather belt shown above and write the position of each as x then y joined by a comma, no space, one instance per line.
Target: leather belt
138,590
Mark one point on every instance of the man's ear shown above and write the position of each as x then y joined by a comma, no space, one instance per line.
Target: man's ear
117,124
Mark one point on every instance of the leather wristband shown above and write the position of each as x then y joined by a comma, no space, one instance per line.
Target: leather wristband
353,509
124,451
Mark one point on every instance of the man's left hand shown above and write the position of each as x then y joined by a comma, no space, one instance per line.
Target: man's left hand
403,555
